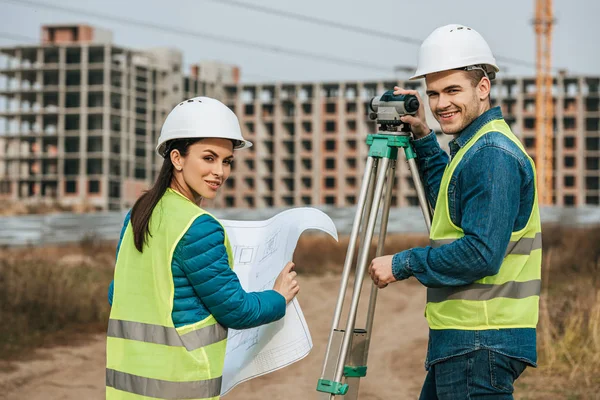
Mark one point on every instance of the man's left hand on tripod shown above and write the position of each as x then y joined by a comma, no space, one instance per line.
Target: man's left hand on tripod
381,271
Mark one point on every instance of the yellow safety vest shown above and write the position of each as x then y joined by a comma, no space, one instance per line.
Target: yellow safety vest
509,299
147,357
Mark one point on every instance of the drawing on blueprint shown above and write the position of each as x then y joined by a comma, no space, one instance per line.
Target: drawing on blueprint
244,255
270,246
245,339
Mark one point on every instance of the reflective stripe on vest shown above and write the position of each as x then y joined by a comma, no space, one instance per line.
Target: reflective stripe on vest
165,335
486,291
162,389
523,246
482,291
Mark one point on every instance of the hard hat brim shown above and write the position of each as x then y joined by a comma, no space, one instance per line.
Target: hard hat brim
422,74
242,143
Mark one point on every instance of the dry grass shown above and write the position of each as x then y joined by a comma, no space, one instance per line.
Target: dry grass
12,208
50,294
569,328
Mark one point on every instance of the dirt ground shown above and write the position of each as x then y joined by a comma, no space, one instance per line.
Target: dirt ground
395,361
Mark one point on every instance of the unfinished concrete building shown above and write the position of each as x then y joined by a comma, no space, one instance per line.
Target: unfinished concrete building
309,144
310,140
576,168
79,119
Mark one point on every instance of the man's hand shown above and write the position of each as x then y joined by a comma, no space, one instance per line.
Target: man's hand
381,271
418,123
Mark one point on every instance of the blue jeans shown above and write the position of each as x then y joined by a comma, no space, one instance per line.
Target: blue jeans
480,374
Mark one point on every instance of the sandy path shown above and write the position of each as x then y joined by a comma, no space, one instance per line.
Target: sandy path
395,360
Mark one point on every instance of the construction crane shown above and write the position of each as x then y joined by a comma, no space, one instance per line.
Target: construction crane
544,105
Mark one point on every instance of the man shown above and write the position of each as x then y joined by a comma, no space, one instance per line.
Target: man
483,266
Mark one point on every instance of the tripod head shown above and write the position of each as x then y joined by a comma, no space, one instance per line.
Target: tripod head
388,108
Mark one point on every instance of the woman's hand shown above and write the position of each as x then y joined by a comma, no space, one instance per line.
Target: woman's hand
286,283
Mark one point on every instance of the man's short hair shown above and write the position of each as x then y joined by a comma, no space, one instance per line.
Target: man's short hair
475,77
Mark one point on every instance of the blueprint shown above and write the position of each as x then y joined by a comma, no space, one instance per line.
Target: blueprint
260,250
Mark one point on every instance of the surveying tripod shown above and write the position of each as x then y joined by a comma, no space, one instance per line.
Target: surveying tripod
347,353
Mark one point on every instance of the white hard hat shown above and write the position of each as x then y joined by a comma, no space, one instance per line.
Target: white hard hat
201,117
454,46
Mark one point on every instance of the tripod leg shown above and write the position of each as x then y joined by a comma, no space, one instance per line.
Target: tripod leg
380,245
362,338
360,269
368,204
420,192
333,349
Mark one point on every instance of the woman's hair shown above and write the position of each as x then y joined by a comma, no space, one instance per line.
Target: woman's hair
144,206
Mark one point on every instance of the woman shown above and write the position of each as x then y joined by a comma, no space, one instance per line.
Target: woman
175,293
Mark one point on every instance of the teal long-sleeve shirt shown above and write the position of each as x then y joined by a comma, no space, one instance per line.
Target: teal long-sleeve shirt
204,283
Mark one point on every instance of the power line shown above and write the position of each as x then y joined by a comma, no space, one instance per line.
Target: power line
16,37
348,27
204,35
320,21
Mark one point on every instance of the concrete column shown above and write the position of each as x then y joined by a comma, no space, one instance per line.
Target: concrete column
131,92
82,185
106,126
298,147
124,138
362,150
261,168
60,127
279,169
61,132
148,164
340,148
580,158
558,167
240,169
21,158
317,138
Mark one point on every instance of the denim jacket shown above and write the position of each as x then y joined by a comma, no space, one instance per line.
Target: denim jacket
491,194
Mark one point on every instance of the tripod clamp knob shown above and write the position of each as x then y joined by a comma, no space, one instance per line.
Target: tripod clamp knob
335,388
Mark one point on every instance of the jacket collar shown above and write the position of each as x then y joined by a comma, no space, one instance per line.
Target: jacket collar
467,134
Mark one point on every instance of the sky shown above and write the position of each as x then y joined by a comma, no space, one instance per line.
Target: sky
506,25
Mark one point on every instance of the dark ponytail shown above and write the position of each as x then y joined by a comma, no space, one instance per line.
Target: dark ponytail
144,206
